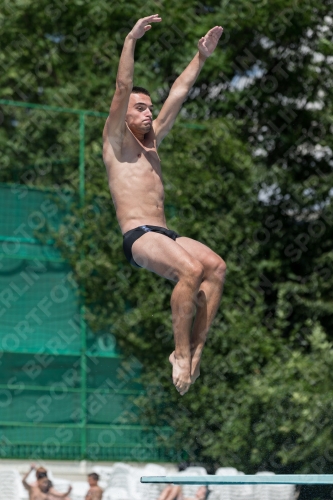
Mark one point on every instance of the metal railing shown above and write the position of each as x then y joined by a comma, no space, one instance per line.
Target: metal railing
82,113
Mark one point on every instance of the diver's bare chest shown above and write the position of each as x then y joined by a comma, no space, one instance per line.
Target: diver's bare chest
133,158
143,156
143,168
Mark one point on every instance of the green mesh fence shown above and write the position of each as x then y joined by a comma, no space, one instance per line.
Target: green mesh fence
65,392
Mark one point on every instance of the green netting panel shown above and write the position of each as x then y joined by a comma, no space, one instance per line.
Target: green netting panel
45,442
38,307
111,375
110,408
16,249
65,391
54,406
25,211
130,443
116,375
44,451
34,435
101,345
21,371
108,443
138,453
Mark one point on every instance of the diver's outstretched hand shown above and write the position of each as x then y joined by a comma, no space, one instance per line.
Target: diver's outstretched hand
207,44
143,25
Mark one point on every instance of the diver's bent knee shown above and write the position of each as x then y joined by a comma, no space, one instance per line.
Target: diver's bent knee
221,268
192,270
216,269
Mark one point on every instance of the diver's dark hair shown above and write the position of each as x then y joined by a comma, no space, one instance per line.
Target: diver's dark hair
140,90
94,476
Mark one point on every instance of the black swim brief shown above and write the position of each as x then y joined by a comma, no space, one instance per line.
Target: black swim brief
131,236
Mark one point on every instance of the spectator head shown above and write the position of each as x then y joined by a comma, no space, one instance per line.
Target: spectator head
183,466
44,484
93,479
202,493
41,472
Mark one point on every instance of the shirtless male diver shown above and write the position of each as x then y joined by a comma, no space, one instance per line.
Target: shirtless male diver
130,141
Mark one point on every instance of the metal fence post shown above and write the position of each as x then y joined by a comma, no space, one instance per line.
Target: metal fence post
83,367
83,361
82,159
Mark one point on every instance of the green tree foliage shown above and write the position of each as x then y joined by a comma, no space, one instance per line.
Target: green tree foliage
255,185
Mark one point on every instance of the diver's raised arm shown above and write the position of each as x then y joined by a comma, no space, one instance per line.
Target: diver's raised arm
124,82
183,84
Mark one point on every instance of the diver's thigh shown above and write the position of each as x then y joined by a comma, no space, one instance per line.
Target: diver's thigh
162,255
205,255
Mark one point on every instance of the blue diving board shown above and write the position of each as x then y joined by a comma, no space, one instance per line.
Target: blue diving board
243,479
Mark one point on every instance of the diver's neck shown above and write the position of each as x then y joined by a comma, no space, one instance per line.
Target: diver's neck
140,136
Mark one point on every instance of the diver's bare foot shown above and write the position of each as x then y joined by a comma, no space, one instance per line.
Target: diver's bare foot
181,373
195,368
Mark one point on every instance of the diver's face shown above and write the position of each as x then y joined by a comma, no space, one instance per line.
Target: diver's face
139,116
